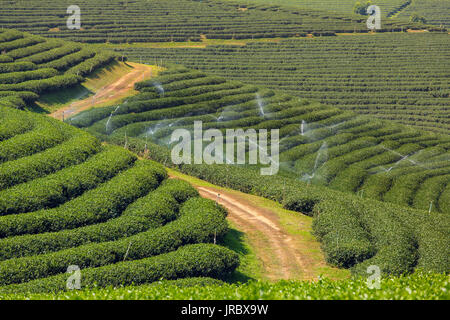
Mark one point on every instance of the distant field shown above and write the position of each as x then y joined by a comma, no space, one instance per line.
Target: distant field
401,77
338,6
435,11
182,20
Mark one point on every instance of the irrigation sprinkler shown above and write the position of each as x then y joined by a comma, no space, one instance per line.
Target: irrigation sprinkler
146,142
128,250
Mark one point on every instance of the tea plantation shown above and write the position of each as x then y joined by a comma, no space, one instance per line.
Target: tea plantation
418,286
319,144
434,11
31,65
183,20
66,199
400,77
363,121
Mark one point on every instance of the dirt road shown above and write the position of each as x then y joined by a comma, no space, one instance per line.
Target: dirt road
111,92
282,255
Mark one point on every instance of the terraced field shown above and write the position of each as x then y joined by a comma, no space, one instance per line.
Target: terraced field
388,7
434,11
327,149
163,21
319,144
66,199
400,77
31,65
364,143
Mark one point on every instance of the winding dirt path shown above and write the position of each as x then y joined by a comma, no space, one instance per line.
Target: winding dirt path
114,91
282,255
281,258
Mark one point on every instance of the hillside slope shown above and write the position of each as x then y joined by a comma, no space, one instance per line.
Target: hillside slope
401,77
31,65
319,144
66,199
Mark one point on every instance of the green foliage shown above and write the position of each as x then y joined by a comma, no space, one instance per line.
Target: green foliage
10,35
31,65
17,77
46,134
65,199
337,71
34,49
200,221
71,152
94,206
166,21
19,43
44,85
417,18
149,212
335,148
189,261
361,8
354,232
66,184
88,66
418,286
5,58
16,67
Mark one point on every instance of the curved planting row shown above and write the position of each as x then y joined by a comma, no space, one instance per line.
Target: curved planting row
73,151
189,261
149,212
337,71
66,184
198,222
31,65
319,144
17,77
156,21
323,146
103,210
13,124
45,134
355,231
